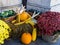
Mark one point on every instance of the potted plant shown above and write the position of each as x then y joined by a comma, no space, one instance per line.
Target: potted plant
49,25
4,31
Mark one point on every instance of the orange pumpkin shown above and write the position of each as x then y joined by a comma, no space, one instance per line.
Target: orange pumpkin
24,16
26,38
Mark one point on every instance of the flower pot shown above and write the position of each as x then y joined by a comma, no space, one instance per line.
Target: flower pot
52,39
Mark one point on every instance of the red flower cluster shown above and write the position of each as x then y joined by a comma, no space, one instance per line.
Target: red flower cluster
49,22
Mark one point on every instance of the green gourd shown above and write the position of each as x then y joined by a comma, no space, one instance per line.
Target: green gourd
8,13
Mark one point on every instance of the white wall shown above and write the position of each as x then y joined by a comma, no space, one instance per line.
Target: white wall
56,8
9,2
54,2
4,3
39,2
55,5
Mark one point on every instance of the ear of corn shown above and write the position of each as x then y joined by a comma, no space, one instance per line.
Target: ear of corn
34,34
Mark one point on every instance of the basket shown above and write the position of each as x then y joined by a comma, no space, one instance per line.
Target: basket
51,39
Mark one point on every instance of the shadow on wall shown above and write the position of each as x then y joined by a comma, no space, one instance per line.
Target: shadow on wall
40,5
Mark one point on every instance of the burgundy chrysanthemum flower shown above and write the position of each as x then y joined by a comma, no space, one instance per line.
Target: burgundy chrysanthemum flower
49,22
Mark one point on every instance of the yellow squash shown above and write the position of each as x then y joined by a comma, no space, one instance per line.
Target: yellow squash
34,34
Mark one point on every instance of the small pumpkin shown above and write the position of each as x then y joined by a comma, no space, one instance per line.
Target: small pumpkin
25,27
26,38
24,16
